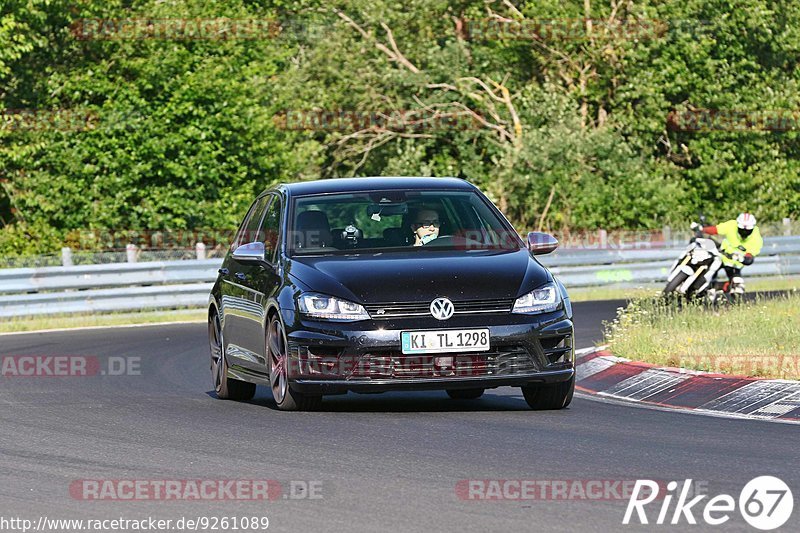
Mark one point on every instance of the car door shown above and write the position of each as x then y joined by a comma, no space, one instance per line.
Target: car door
261,281
241,300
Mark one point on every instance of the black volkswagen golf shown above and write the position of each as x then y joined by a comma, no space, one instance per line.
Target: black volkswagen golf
378,284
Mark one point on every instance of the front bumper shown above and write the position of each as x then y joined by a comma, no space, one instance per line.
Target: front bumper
326,358
335,386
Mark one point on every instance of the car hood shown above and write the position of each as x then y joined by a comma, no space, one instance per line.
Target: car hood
415,276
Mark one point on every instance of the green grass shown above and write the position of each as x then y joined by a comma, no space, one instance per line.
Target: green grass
757,338
22,324
612,292
588,294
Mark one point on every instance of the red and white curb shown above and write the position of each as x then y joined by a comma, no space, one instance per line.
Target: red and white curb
602,374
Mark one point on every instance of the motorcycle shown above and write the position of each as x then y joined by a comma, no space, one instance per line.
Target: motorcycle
694,273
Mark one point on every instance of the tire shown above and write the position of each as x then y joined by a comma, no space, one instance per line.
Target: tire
676,282
695,288
465,394
735,298
541,397
225,387
277,354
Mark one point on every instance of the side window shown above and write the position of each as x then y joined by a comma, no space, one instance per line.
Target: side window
237,239
271,229
248,232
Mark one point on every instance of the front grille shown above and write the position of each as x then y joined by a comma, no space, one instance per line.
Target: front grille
463,307
394,365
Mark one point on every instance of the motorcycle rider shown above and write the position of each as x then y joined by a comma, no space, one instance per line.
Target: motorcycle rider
742,243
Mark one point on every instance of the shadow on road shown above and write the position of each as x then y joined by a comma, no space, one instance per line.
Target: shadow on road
409,402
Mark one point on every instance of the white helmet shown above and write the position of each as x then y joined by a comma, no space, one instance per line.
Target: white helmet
745,222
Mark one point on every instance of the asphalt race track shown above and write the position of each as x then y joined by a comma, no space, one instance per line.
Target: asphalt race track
388,462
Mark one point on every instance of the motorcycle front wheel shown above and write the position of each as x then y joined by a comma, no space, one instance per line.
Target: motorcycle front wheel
676,282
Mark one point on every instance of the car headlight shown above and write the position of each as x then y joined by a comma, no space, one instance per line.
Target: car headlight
330,308
545,298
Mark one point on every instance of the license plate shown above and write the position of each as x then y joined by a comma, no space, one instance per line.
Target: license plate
449,340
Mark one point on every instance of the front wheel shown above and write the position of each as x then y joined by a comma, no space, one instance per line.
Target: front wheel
676,282
286,398
542,397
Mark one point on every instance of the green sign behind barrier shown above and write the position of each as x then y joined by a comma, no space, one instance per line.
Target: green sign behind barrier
610,276
614,275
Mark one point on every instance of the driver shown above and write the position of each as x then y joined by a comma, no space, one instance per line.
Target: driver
425,226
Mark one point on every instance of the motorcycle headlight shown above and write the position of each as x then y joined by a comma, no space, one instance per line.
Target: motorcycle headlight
330,308
545,298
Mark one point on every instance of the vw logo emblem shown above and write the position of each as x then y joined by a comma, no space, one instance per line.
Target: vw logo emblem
442,308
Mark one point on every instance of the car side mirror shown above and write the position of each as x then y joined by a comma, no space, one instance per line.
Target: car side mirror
252,252
541,243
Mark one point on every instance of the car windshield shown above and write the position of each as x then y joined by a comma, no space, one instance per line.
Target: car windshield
393,221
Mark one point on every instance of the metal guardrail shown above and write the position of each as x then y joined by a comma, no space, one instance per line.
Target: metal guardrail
780,256
171,284
567,257
26,280
105,300
106,287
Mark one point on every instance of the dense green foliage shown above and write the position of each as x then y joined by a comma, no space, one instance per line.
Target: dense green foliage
562,132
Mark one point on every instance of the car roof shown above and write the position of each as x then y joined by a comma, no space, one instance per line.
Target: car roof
343,185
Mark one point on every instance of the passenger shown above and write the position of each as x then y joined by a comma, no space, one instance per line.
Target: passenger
425,226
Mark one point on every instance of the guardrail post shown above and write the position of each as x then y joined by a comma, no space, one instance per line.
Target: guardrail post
66,256
201,251
603,236
787,226
156,240
131,251
667,236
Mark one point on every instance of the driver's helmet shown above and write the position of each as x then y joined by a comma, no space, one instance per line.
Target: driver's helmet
745,222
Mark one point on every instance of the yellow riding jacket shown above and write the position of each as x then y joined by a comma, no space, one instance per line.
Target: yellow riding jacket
732,241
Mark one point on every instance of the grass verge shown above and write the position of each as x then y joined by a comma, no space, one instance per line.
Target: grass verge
38,323
756,338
